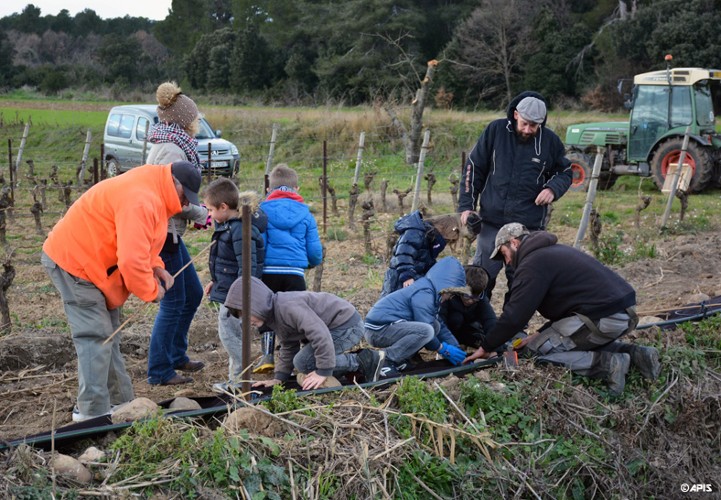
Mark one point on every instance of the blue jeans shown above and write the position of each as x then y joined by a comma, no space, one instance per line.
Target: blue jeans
169,339
403,339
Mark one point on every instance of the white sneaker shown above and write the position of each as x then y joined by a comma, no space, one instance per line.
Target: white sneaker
223,387
81,417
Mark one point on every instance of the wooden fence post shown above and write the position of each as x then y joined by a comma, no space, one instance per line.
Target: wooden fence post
590,197
84,160
24,139
271,154
676,177
419,174
5,202
324,185
359,157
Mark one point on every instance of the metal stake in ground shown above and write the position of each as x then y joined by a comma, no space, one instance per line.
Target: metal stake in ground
132,316
590,197
676,176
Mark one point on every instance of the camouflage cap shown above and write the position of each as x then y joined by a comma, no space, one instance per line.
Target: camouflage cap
506,234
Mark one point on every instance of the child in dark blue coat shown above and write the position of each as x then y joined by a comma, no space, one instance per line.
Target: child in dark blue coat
223,200
414,253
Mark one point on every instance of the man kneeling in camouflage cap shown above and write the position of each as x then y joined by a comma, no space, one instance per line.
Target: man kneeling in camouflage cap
587,304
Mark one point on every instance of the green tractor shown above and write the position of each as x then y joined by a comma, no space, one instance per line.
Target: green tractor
662,105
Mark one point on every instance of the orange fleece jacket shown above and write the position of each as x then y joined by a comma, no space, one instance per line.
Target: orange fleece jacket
112,235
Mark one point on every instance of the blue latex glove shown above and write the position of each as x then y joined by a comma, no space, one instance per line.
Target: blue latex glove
454,354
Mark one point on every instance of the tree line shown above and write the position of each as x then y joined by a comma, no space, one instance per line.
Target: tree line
365,51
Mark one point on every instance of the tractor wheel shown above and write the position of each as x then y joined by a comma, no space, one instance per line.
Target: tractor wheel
581,169
697,156
112,167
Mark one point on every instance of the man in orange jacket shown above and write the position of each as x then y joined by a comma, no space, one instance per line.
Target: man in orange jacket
106,247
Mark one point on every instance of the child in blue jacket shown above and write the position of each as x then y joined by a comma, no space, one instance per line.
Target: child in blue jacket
292,244
223,200
405,321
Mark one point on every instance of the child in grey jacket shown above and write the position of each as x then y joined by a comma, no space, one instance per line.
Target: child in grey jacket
327,325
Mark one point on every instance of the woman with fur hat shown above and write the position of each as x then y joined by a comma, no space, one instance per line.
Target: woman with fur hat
173,139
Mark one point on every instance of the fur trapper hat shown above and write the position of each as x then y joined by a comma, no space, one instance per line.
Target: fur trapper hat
174,106
249,198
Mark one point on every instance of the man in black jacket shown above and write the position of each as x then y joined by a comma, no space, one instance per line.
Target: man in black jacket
588,307
515,171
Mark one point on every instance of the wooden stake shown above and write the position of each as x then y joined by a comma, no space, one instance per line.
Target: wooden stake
148,303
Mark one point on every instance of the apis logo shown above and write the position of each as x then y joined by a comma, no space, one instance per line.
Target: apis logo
697,488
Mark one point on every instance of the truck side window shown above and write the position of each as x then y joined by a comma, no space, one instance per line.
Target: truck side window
140,128
113,125
126,126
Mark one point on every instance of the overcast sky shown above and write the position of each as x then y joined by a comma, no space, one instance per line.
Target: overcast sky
106,9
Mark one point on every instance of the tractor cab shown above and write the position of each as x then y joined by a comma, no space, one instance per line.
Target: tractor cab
666,102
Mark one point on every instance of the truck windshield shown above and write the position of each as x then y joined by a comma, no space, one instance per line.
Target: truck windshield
204,130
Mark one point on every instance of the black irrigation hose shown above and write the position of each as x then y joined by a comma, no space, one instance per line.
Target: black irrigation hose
705,313
69,434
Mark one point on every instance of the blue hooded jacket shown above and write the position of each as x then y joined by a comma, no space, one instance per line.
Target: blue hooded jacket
419,302
292,243
506,174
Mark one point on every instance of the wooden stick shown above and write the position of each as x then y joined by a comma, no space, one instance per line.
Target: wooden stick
142,309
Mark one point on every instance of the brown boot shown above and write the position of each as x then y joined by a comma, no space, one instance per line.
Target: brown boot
646,360
611,367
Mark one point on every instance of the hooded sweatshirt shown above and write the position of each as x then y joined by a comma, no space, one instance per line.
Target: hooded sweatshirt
292,243
112,235
419,302
297,317
557,281
506,174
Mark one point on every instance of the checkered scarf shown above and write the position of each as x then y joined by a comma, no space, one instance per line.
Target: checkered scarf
172,132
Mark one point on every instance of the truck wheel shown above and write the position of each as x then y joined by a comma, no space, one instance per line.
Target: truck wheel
581,169
697,156
112,167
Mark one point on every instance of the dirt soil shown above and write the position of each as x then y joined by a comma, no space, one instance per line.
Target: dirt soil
38,379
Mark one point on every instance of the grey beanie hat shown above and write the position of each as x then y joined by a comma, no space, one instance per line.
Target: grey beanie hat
174,106
532,109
